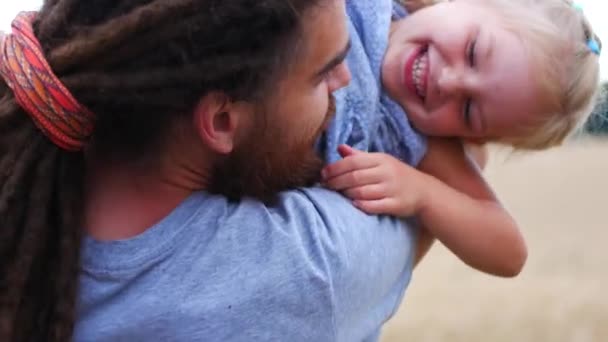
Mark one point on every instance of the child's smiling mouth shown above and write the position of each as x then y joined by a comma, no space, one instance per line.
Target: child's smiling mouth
416,71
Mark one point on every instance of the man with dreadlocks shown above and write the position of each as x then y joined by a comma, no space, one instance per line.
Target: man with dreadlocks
154,155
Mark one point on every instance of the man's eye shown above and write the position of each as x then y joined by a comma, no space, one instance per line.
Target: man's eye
471,53
325,75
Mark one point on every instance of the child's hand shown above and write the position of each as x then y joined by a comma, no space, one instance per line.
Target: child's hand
376,182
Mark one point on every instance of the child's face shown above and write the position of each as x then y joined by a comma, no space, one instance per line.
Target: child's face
457,72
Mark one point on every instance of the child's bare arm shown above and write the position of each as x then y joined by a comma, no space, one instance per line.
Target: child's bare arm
479,154
464,214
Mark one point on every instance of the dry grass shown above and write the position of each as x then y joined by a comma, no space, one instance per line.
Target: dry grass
560,198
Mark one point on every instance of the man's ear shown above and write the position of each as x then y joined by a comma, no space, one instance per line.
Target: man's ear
218,121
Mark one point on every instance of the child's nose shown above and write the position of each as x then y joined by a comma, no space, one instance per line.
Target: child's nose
450,82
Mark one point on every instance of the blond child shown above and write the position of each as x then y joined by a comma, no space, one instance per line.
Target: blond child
518,72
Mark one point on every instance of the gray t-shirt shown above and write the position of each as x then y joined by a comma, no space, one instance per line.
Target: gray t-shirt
312,268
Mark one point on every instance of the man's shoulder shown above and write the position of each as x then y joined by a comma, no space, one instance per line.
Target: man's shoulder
321,224
312,208
306,208
316,220
305,211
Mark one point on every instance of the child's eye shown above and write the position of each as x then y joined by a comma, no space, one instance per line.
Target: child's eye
466,112
471,53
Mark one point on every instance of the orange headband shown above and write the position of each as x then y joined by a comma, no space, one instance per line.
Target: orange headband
38,91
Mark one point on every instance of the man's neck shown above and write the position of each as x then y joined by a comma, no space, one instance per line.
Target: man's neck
123,201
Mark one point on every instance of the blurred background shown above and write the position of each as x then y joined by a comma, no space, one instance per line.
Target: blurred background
560,199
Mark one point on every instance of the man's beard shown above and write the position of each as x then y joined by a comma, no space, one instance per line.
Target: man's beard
263,165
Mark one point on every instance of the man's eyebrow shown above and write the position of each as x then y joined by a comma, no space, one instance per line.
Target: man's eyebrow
334,62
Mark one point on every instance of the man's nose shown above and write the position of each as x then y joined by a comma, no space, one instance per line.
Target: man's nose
341,77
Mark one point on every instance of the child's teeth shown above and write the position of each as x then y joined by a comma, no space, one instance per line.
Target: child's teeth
419,67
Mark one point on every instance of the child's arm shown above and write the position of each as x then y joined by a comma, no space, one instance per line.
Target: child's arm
464,214
483,233
478,153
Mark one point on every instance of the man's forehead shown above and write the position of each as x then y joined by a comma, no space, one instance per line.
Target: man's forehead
324,32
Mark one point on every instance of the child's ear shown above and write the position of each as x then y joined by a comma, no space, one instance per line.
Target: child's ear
219,121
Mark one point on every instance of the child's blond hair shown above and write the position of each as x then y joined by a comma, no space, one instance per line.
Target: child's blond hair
556,34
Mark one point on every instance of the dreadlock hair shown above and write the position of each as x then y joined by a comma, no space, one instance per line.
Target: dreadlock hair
138,65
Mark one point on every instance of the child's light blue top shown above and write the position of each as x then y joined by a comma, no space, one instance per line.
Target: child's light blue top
366,118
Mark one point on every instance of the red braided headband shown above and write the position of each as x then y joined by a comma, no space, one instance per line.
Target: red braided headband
38,91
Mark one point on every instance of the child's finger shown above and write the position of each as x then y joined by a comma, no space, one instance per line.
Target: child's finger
384,205
354,179
345,151
367,192
349,164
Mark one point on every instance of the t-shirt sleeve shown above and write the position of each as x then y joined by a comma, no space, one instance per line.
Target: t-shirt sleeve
369,261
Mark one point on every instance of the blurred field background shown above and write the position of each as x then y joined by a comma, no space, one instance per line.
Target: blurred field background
560,198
